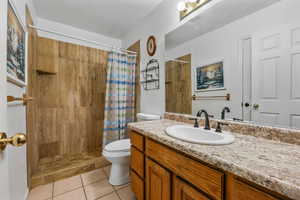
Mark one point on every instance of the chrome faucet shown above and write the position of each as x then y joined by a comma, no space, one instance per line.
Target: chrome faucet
207,125
226,109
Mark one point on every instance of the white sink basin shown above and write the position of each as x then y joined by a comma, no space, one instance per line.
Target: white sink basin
199,135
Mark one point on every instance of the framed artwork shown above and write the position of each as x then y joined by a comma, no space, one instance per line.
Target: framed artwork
151,46
209,77
16,42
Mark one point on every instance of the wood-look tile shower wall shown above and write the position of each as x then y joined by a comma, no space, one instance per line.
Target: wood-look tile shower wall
71,101
68,84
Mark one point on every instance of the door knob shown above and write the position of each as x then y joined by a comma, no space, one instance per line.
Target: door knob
17,140
256,106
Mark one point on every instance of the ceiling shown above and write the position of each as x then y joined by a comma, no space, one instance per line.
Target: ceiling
213,16
112,18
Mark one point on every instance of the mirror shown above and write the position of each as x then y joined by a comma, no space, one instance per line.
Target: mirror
237,54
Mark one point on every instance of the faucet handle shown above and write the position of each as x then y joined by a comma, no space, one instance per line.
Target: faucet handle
219,126
196,125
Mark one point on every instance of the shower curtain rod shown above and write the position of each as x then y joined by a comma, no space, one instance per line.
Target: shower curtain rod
179,61
80,39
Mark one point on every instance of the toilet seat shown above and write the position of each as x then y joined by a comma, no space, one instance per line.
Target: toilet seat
115,154
118,148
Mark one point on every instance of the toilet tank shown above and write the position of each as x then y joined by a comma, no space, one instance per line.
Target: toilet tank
147,117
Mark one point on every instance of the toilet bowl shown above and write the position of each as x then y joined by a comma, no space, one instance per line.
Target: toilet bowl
118,153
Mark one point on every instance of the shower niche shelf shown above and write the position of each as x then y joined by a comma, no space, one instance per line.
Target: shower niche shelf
151,75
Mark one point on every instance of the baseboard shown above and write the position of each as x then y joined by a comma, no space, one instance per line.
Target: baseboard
26,194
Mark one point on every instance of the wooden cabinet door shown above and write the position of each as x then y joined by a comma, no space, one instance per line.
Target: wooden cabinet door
137,186
242,191
183,191
158,182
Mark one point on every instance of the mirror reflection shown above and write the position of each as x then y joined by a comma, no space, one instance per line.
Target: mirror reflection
244,68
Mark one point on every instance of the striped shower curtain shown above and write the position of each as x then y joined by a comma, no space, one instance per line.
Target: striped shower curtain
120,95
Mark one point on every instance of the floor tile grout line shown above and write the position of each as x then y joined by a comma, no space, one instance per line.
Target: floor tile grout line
93,181
118,195
52,196
68,191
83,187
99,198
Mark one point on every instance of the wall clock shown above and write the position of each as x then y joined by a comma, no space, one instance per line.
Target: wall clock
151,46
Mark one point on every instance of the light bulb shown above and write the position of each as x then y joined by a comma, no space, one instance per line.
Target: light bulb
181,6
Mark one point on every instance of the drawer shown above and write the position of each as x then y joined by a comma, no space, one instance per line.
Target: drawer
242,191
137,140
206,179
137,186
137,162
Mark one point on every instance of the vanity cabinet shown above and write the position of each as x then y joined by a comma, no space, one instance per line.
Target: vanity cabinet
159,172
137,165
158,182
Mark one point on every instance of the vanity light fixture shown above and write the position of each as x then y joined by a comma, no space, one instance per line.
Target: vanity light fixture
181,6
186,7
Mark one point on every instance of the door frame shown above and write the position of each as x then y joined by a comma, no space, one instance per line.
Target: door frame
243,77
4,168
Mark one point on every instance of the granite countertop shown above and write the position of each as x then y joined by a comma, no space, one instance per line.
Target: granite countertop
271,164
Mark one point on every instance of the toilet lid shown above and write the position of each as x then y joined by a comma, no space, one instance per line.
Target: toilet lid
117,146
147,117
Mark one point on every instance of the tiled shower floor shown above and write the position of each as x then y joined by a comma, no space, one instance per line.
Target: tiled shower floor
92,185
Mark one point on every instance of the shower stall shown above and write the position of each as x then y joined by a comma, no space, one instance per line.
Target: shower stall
65,122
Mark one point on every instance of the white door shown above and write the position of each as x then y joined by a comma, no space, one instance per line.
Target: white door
13,176
276,76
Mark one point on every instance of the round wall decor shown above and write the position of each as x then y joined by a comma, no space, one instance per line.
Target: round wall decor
151,46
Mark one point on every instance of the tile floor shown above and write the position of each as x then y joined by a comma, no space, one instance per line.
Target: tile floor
92,185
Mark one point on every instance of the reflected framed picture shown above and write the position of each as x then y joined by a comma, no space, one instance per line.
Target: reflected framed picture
209,77
16,45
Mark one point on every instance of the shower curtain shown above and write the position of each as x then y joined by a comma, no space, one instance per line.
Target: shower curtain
120,95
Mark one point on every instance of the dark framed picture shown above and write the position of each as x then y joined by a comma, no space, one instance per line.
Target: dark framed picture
16,45
209,77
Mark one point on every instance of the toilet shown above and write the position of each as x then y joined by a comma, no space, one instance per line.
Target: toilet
118,153
146,117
